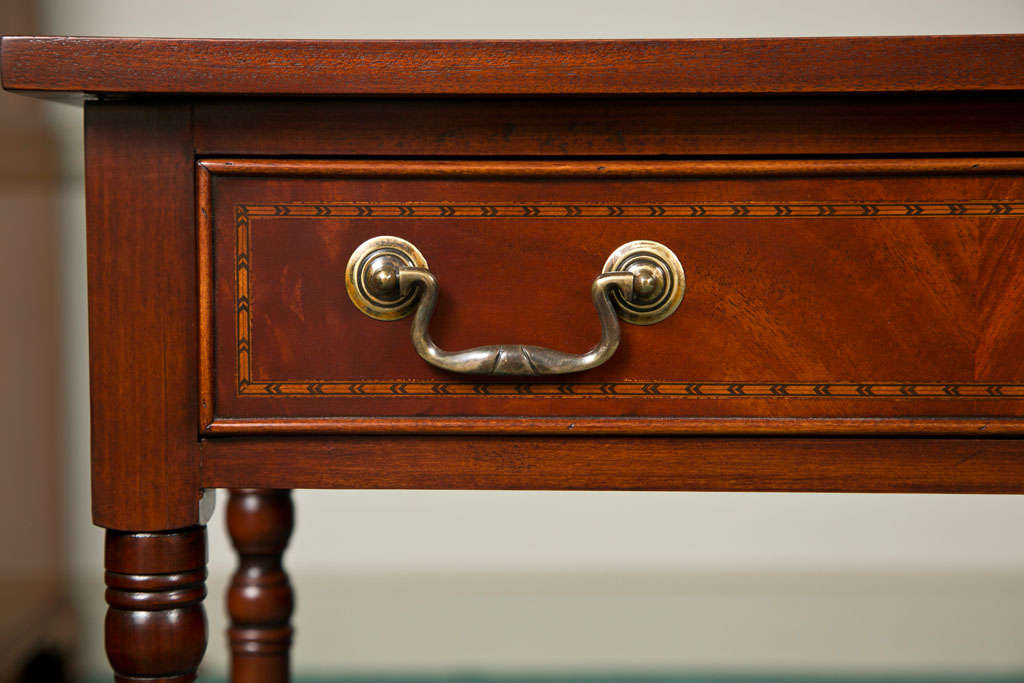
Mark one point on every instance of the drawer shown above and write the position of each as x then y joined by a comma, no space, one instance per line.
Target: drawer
820,295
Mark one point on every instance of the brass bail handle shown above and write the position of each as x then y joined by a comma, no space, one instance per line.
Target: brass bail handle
642,282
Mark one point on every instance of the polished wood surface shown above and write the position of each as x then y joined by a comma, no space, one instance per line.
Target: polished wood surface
542,67
735,127
853,245
715,463
156,626
260,598
142,316
789,312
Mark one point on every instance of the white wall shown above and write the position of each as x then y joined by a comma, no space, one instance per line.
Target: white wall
592,581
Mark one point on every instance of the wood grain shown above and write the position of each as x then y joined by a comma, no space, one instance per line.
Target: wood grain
618,464
142,316
848,211
260,599
646,168
542,67
204,287
985,427
737,126
155,625
790,314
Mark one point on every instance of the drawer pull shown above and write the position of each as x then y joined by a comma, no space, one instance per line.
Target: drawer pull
642,282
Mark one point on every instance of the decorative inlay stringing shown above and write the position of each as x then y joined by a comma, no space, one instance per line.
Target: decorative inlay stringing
249,386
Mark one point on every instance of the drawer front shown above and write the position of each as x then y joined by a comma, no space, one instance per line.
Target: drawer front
856,296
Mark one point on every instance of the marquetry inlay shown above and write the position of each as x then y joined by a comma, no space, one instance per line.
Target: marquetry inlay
248,385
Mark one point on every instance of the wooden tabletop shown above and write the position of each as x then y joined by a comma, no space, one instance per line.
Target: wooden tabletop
585,67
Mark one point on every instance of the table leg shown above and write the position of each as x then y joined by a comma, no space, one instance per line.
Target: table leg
260,598
156,626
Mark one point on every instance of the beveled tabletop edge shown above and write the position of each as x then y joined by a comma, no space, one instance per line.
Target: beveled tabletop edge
169,66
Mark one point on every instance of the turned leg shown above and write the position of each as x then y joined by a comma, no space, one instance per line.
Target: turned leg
156,626
260,598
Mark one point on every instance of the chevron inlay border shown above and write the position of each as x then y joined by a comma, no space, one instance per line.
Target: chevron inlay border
560,210
250,386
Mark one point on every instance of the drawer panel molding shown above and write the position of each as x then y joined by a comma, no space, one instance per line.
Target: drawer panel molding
381,390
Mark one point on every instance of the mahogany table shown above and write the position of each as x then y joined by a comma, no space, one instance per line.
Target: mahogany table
295,249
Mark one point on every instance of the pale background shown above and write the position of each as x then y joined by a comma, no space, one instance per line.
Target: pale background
459,581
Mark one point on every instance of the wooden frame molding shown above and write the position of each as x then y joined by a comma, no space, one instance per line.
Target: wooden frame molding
611,168
620,463
535,67
249,385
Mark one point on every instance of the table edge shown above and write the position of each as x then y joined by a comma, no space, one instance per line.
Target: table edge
235,67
